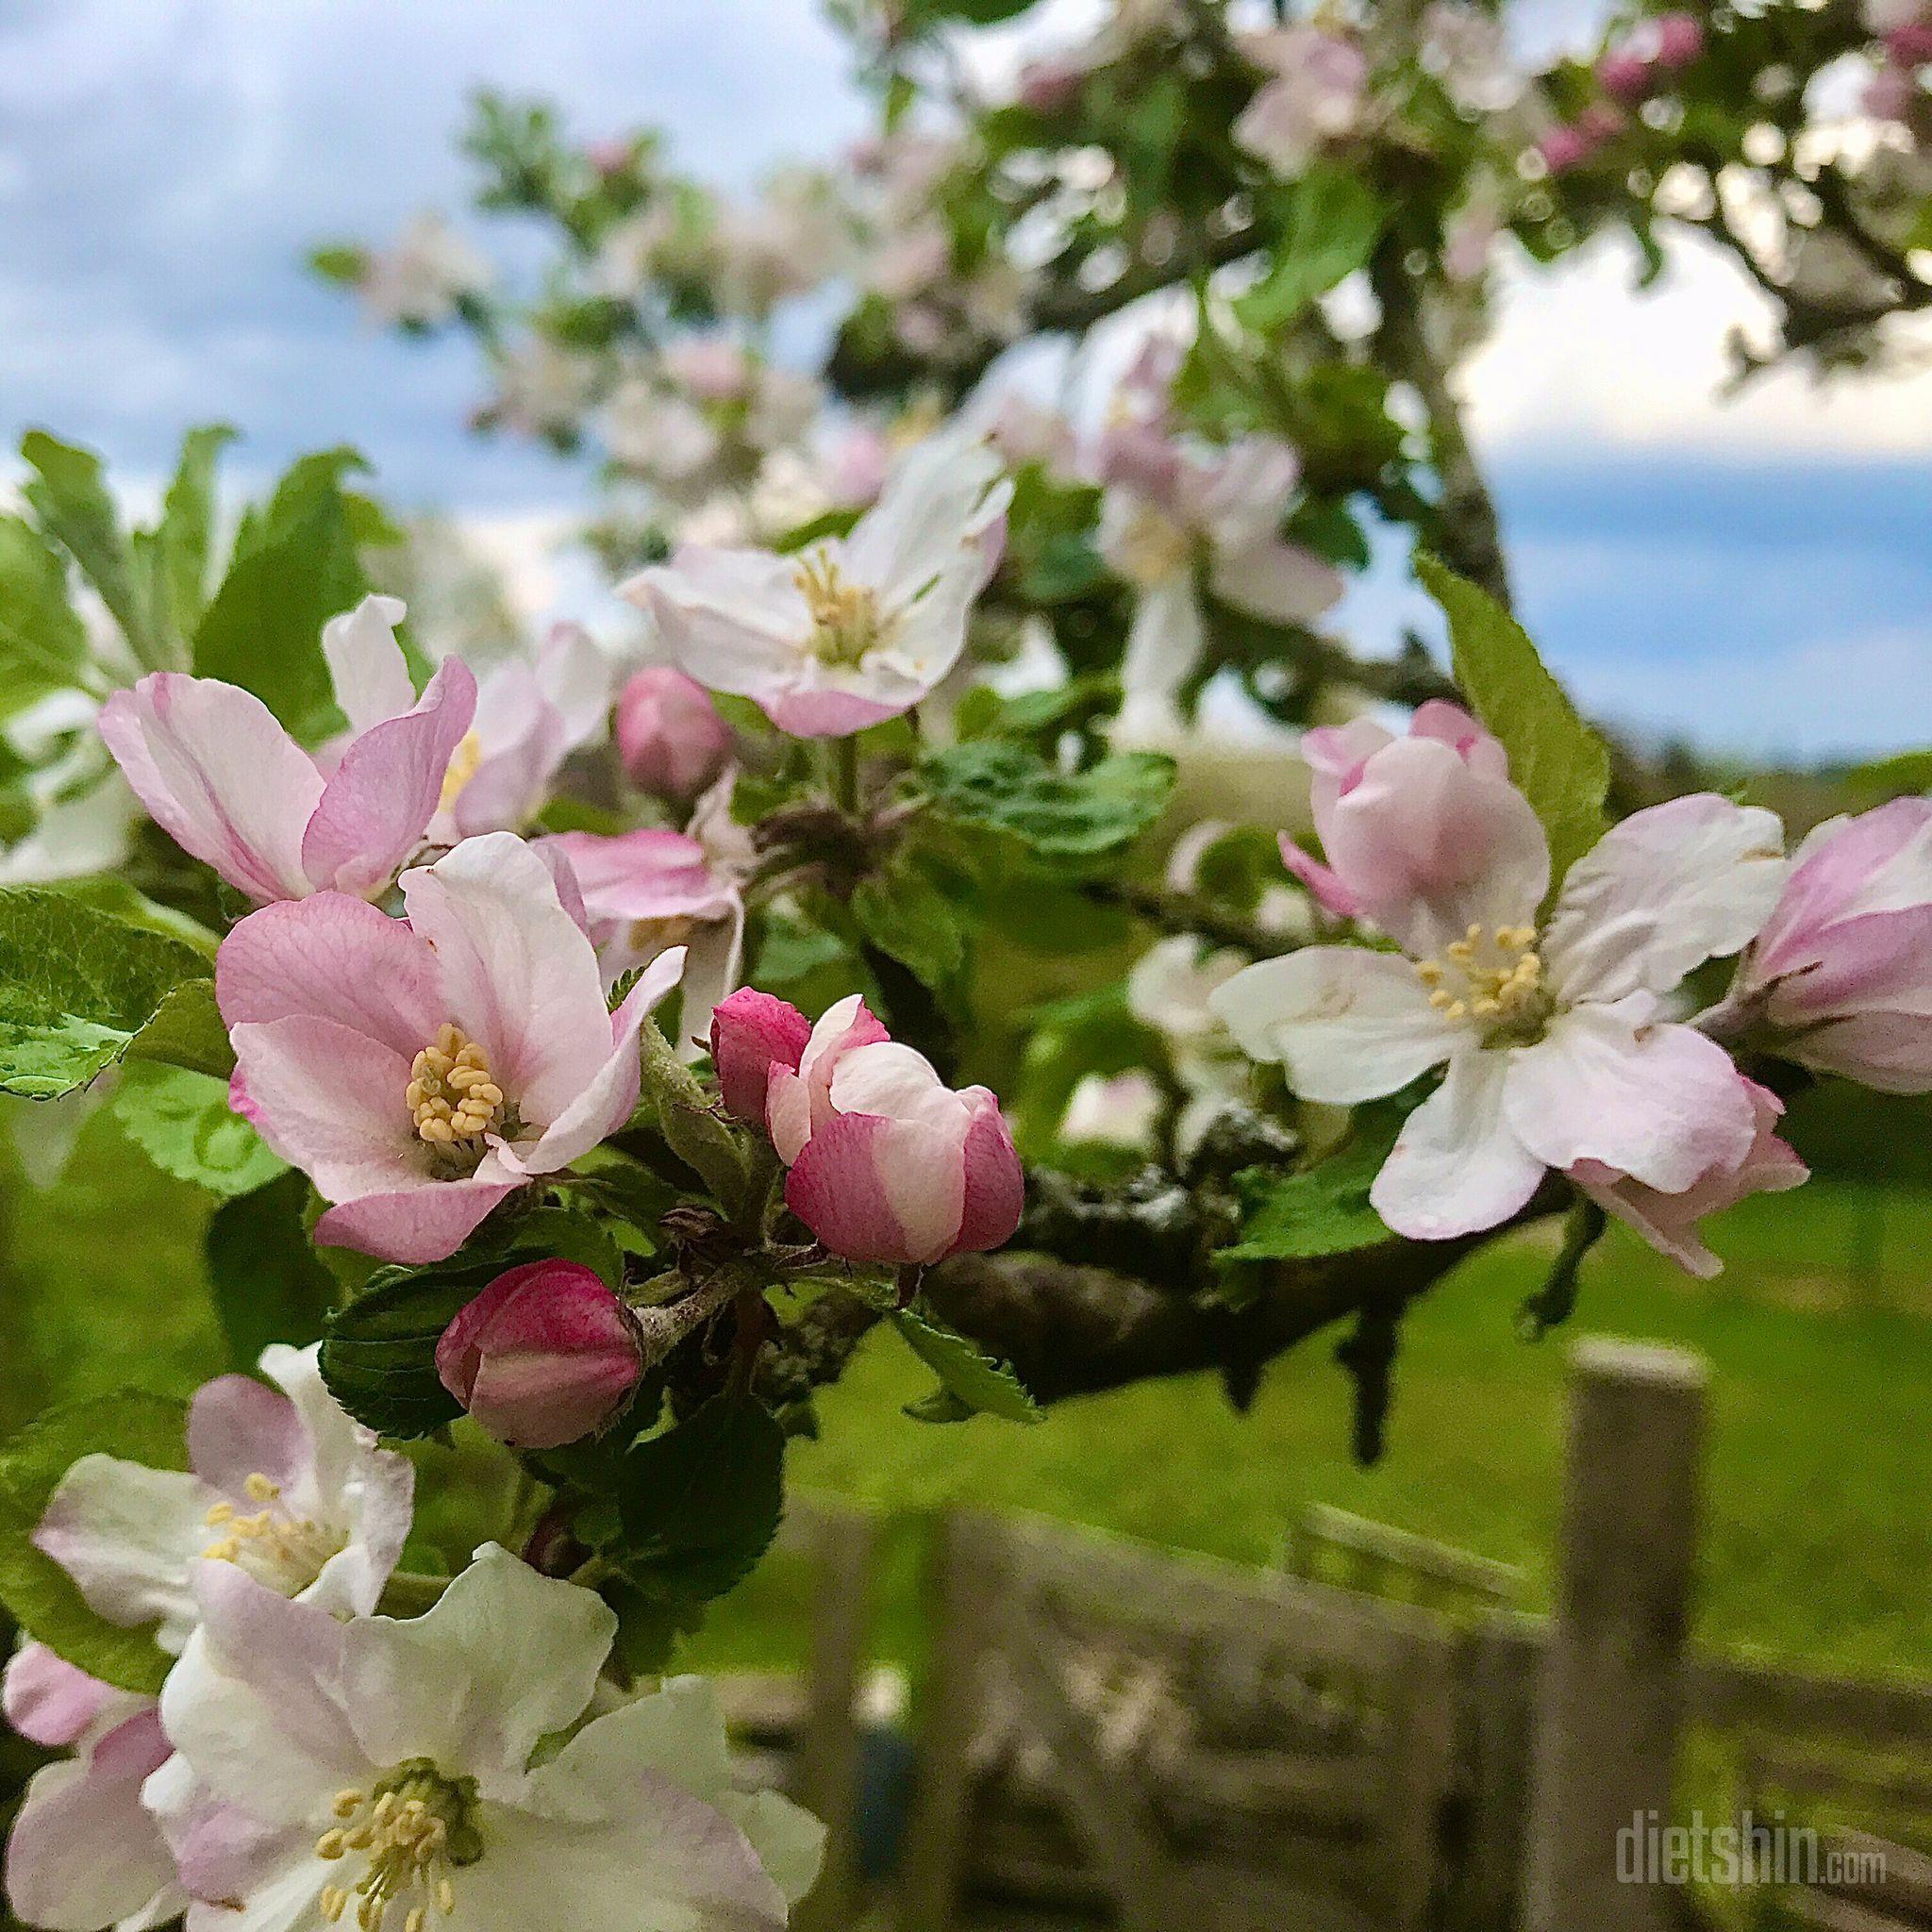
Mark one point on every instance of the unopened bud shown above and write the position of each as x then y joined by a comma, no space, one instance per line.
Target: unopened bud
670,735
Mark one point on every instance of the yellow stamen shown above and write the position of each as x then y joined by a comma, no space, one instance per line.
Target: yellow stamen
845,617
274,1546
451,1096
1493,977
463,768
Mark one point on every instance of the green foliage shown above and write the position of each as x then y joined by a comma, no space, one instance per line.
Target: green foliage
43,1598
1561,766
183,1123
698,1505
1004,787
42,641
187,1031
1088,1033
295,567
970,1383
77,985
1330,222
1324,1209
184,539
1903,773
903,912
263,1275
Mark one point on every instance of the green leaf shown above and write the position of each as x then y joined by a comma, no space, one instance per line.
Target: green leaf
70,499
295,567
699,1504
76,986
1902,774
187,1031
904,913
186,533
183,1123
137,1428
1324,1208
42,641
1561,765
1330,222
970,1383
267,1284
1012,788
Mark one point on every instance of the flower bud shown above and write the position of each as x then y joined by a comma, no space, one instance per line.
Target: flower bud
546,1354
670,735
751,1033
1679,41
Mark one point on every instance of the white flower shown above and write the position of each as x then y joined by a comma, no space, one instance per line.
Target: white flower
424,275
381,1772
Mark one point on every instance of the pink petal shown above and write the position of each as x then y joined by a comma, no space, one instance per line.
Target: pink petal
801,712
995,1187
366,664
1457,1167
1324,887
798,1103
837,1188
523,740
237,1428
332,958
384,792
1881,859
1437,718
643,874
752,1033
1661,1104
416,1224
1280,582
735,620
219,776
517,971
50,1701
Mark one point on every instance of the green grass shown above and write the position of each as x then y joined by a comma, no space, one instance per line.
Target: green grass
1818,1541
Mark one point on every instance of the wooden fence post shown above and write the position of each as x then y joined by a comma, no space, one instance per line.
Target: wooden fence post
1612,1691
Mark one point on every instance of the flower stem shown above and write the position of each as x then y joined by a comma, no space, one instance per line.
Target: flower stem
845,774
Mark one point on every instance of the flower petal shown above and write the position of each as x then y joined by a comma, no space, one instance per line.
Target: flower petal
876,1190
1662,1104
734,620
517,971
1347,1024
1457,1167
220,776
934,505
366,664
332,958
50,1701
384,792
426,1222
1280,582
238,1429
995,1186
1659,894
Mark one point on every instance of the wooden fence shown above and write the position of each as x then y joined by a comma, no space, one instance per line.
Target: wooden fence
1111,1736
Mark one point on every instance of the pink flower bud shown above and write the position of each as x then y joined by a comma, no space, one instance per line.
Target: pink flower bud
546,1354
1679,41
751,1033
1048,85
1624,74
1910,46
670,735
1563,148
888,1163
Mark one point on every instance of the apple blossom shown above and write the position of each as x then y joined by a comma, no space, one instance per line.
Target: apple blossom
1669,1220
887,1162
422,279
1170,509
83,1855
1557,1039
1313,93
225,781
645,891
389,1772
283,1486
421,1072
854,629
1841,977
545,1354
669,734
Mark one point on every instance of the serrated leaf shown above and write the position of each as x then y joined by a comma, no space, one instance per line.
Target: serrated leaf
185,536
187,1032
1010,787
1324,1209
977,1384
42,640
701,1501
183,1123
76,986
43,1598
1558,763
904,914
267,1284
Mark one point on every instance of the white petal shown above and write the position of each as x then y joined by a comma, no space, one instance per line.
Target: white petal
1164,643
677,1729
1661,892
1347,1024
731,619
1457,1167
790,1841
929,510
1281,582
371,675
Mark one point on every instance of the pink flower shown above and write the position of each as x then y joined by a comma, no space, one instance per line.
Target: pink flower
856,630
645,891
1314,95
1669,1220
752,1033
83,1854
228,784
1678,39
1554,1030
544,1355
888,1163
1051,85
672,740
1623,74
421,1072
1911,45
1842,974
1573,143
712,368
530,716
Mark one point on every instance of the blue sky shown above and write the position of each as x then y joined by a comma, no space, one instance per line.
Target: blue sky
1755,577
